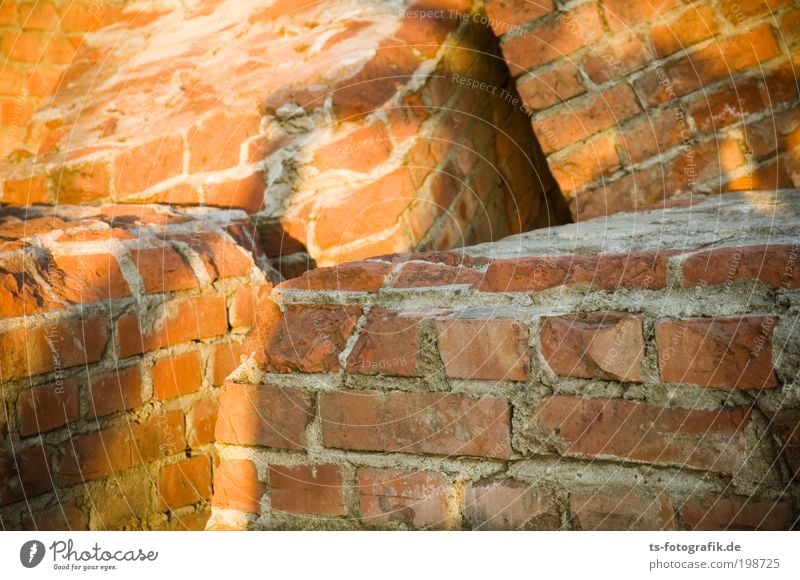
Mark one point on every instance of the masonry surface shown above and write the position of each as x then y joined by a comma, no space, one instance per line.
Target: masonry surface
256,272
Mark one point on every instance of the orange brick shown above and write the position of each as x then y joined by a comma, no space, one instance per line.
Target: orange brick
691,26
307,489
118,390
145,165
175,376
585,163
236,486
45,408
184,483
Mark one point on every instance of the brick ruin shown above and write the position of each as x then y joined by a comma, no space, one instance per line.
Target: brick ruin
373,265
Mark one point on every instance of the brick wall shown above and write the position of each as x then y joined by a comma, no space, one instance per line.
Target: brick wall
637,101
118,324
592,377
372,143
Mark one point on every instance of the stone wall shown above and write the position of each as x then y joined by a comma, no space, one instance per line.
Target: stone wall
595,376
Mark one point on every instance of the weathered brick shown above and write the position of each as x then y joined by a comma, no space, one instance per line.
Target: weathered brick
654,135
424,274
691,26
140,167
727,105
361,150
623,14
623,509
263,415
306,338
594,114
559,35
118,448
82,183
415,498
83,279
163,270
597,345
448,424
202,419
307,489
603,271
352,277
506,504
118,390
623,54
215,142
388,345
25,191
731,352
490,349
506,15
24,474
237,487
66,516
542,89
585,163
737,513
177,375
32,351
224,360
775,265
46,408
248,302
184,483
179,320
245,193
611,428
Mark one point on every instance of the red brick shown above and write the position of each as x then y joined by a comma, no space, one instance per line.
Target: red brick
263,415
221,258
184,483
493,504
714,513
388,345
597,345
307,489
351,277
140,167
489,349
734,352
425,275
20,293
557,36
369,210
416,499
737,12
176,376
306,337
66,516
236,486
623,14
118,390
248,303
580,121
613,428
585,163
655,135
624,509
717,61
163,270
24,474
691,26
33,351
710,161
624,54
775,265
224,360
45,408
507,15
727,105
542,89
246,193
216,141
362,150
84,279
177,321
603,271
202,419
121,447
416,423
379,80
